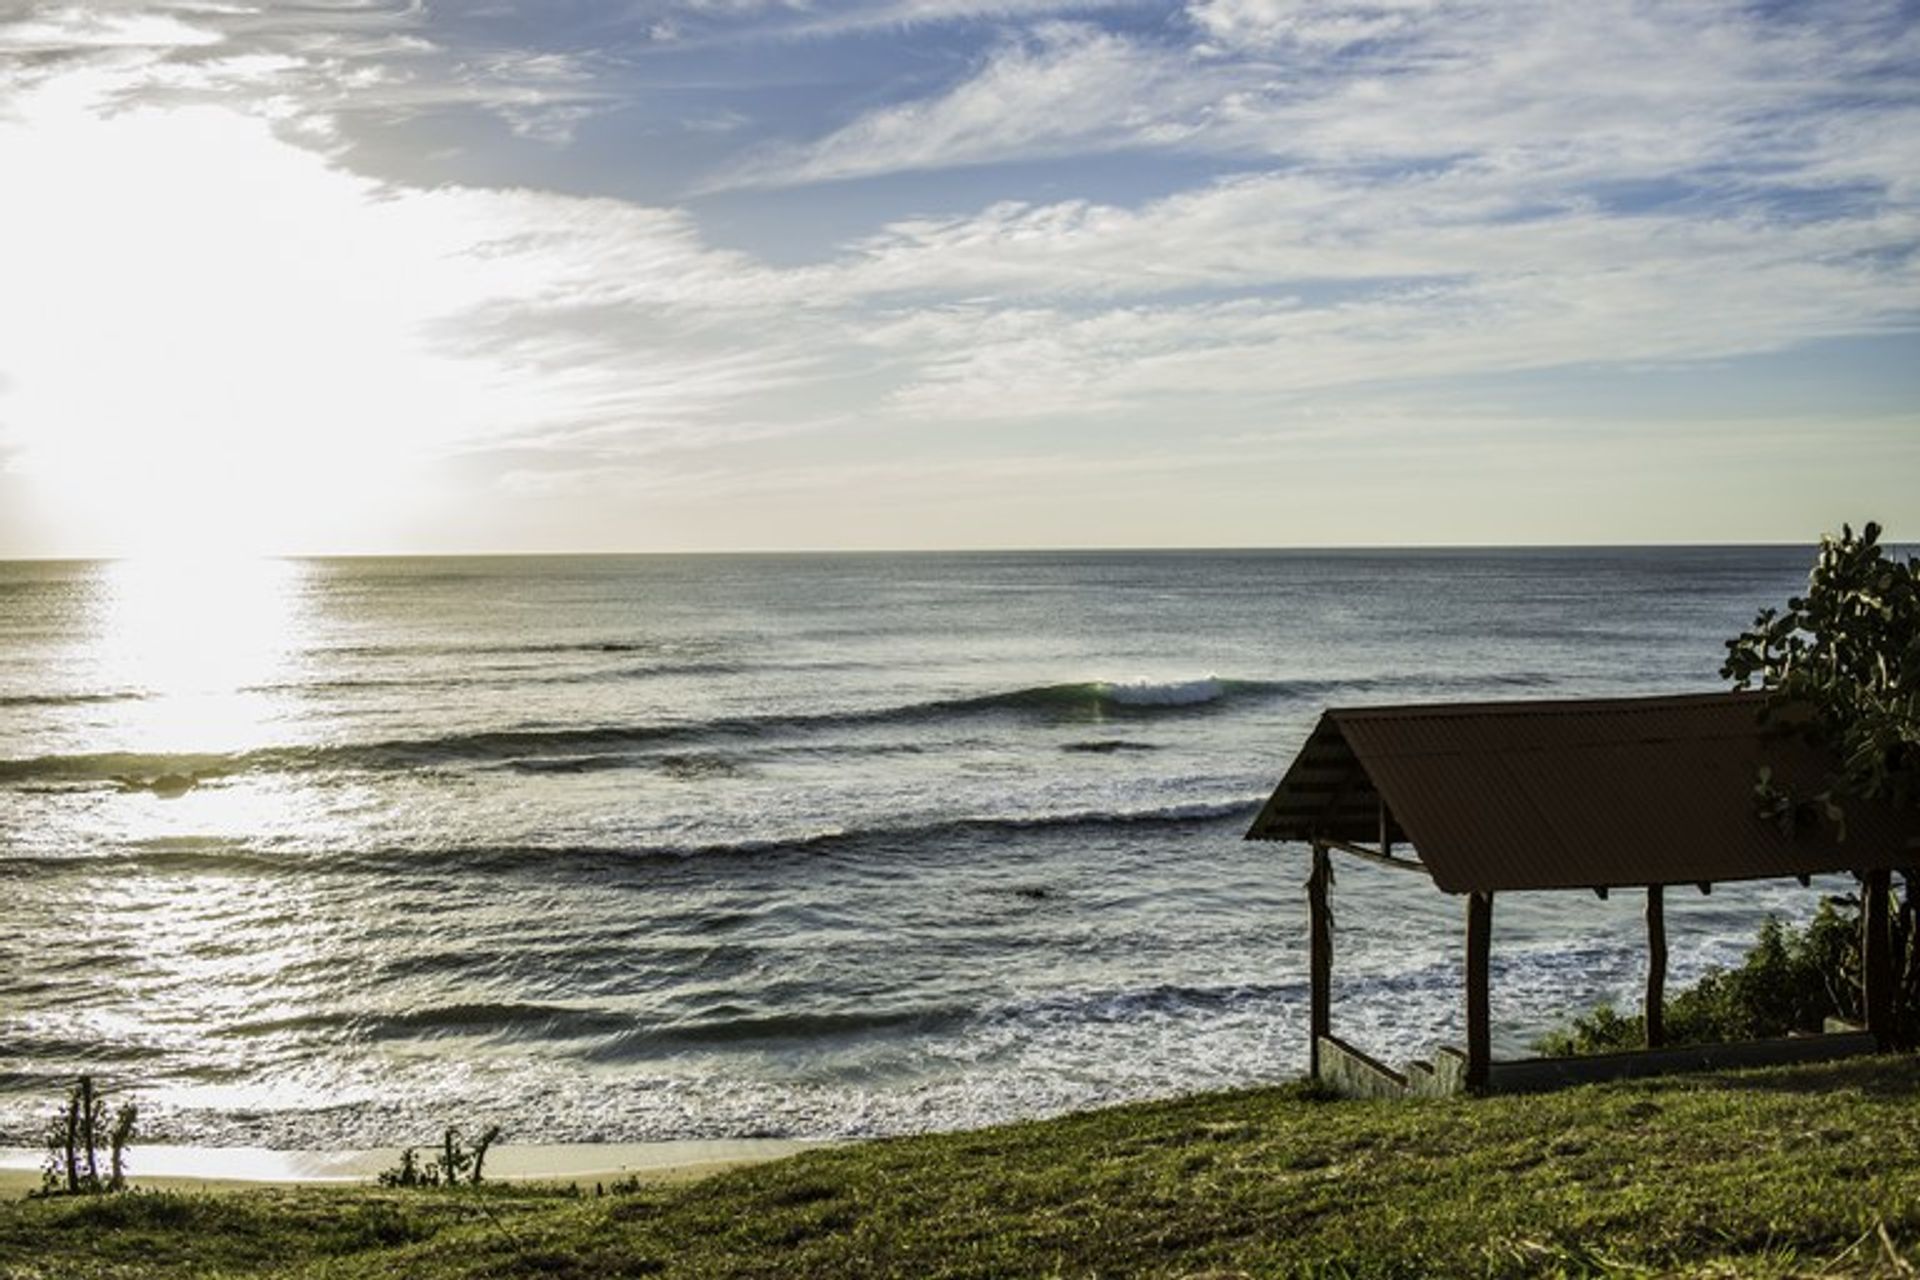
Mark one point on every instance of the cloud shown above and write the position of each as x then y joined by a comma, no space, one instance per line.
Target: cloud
1604,91
1590,92
71,28
1285,229
705,22
1435,190
1269,25
1572,291
310,66
1062,89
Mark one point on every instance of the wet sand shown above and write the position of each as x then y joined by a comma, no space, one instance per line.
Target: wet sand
239,1168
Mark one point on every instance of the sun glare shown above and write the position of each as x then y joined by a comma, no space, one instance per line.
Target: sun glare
204,640
219,342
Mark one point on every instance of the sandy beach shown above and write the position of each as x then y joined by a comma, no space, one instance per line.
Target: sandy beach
240,1168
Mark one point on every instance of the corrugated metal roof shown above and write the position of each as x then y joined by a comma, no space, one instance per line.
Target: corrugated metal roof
1574,794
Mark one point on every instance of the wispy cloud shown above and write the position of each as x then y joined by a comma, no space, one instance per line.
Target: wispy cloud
1061,88
1576,92
308,65
71,29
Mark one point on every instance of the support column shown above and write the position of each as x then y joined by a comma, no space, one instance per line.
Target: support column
1656,966
1876,956
1320,956
1479,1017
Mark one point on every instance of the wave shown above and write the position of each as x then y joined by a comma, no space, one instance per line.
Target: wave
1062,702
543,647
1178,693
495,1019
888,837
68,699
1086,697
681,765
1083,702
884,836
1159,1000
112,766
733,1025
600,763
509,677
621,1036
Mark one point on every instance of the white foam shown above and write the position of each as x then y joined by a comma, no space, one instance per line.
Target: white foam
1162,693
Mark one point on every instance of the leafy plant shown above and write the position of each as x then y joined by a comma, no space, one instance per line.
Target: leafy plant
74,1138
457,1163
1841,669
1841,666
408,1173
1791,980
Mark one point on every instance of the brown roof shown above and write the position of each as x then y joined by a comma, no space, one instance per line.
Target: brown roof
1574,794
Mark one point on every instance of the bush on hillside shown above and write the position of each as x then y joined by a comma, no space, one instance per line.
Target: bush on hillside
1792,980
77,1139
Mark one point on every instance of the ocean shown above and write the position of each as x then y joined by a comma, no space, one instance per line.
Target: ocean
331,853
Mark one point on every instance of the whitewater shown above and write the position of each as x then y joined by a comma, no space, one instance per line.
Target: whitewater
329,853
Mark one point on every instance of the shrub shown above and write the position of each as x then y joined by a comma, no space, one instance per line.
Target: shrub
74,1139
1792,980
458,1163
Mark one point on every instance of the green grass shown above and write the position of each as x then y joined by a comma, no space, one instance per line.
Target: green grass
1797,1171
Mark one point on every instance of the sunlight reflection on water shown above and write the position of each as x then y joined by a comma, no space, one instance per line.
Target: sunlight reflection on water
201,638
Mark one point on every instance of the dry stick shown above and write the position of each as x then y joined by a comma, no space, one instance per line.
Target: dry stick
498,1225
1900,1265
1827,1267
72,1137
89,1132
480,1148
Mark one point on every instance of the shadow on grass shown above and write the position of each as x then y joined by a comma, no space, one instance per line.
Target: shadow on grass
1889,1076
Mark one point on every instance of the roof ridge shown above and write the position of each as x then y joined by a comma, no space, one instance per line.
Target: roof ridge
1629,704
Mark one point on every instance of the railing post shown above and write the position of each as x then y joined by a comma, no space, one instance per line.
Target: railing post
1656,966
1320,956
1876,957
1479,1016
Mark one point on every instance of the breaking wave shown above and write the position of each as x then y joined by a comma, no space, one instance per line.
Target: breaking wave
884,837
1061,703
586,748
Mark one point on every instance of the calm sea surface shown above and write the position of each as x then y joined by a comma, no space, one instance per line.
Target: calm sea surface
669,847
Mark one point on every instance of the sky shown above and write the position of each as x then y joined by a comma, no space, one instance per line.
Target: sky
637,275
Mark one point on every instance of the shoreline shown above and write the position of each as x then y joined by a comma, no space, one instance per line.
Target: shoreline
191,1168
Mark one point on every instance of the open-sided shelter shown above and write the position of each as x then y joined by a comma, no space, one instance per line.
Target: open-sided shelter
1590,794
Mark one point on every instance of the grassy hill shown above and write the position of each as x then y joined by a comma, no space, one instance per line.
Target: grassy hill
1797,1171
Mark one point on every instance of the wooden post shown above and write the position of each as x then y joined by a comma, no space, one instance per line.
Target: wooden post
1479,1016
1876,956
1656,966
1320,958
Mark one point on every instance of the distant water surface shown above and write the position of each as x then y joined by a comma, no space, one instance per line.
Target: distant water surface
631,848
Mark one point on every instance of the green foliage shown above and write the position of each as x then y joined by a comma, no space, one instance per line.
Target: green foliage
1792,980
457,1164
1845,658
74,1140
